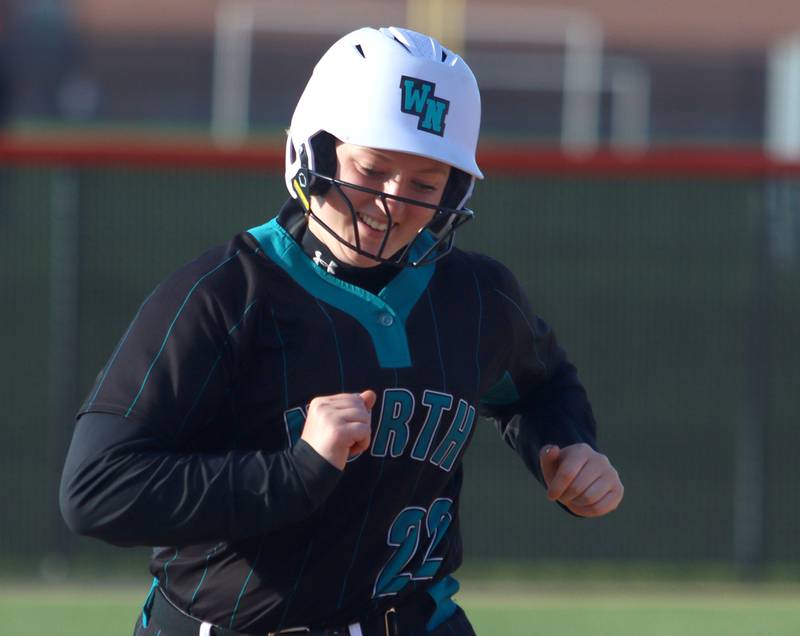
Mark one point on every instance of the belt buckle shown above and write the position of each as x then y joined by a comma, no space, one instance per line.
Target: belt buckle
390,621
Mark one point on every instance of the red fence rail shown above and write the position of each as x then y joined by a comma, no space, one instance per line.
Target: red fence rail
121,152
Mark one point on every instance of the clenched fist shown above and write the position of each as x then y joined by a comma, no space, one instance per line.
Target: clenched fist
581,479
338,426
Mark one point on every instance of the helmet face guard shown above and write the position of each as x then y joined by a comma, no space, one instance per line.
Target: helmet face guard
432,242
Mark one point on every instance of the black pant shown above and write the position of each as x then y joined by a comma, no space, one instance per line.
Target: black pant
456,625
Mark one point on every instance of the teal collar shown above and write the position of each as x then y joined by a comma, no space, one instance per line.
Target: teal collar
383,316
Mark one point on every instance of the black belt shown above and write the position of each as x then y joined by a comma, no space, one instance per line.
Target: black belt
408,619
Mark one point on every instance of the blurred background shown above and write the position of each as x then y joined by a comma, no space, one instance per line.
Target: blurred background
584,72
642,181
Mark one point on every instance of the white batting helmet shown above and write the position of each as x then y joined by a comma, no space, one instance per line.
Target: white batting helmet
390,89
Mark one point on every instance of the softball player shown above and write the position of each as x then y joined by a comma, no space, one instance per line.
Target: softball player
286,416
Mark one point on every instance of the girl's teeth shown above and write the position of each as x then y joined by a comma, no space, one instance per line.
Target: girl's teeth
381,227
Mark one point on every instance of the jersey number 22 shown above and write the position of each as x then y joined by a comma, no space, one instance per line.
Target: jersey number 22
405,535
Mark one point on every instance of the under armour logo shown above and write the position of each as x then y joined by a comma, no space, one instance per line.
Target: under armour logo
417,98
329,267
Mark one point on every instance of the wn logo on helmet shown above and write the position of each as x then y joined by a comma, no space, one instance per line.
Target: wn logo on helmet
417,98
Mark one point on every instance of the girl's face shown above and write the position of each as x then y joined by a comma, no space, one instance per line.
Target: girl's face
386,171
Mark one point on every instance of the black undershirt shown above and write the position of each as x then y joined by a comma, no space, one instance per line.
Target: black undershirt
373,279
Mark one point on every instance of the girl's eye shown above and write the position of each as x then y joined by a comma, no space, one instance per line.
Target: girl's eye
370,172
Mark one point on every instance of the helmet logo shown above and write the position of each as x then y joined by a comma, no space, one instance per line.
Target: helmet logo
417,98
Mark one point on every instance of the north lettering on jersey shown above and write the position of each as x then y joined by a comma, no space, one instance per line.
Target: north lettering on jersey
393,434
457,435
293,420
437,404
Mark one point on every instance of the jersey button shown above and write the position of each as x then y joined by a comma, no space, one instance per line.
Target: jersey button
385,319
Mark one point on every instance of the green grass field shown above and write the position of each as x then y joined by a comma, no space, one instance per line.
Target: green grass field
508,610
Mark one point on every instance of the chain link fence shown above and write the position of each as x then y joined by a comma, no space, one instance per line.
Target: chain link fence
676,297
